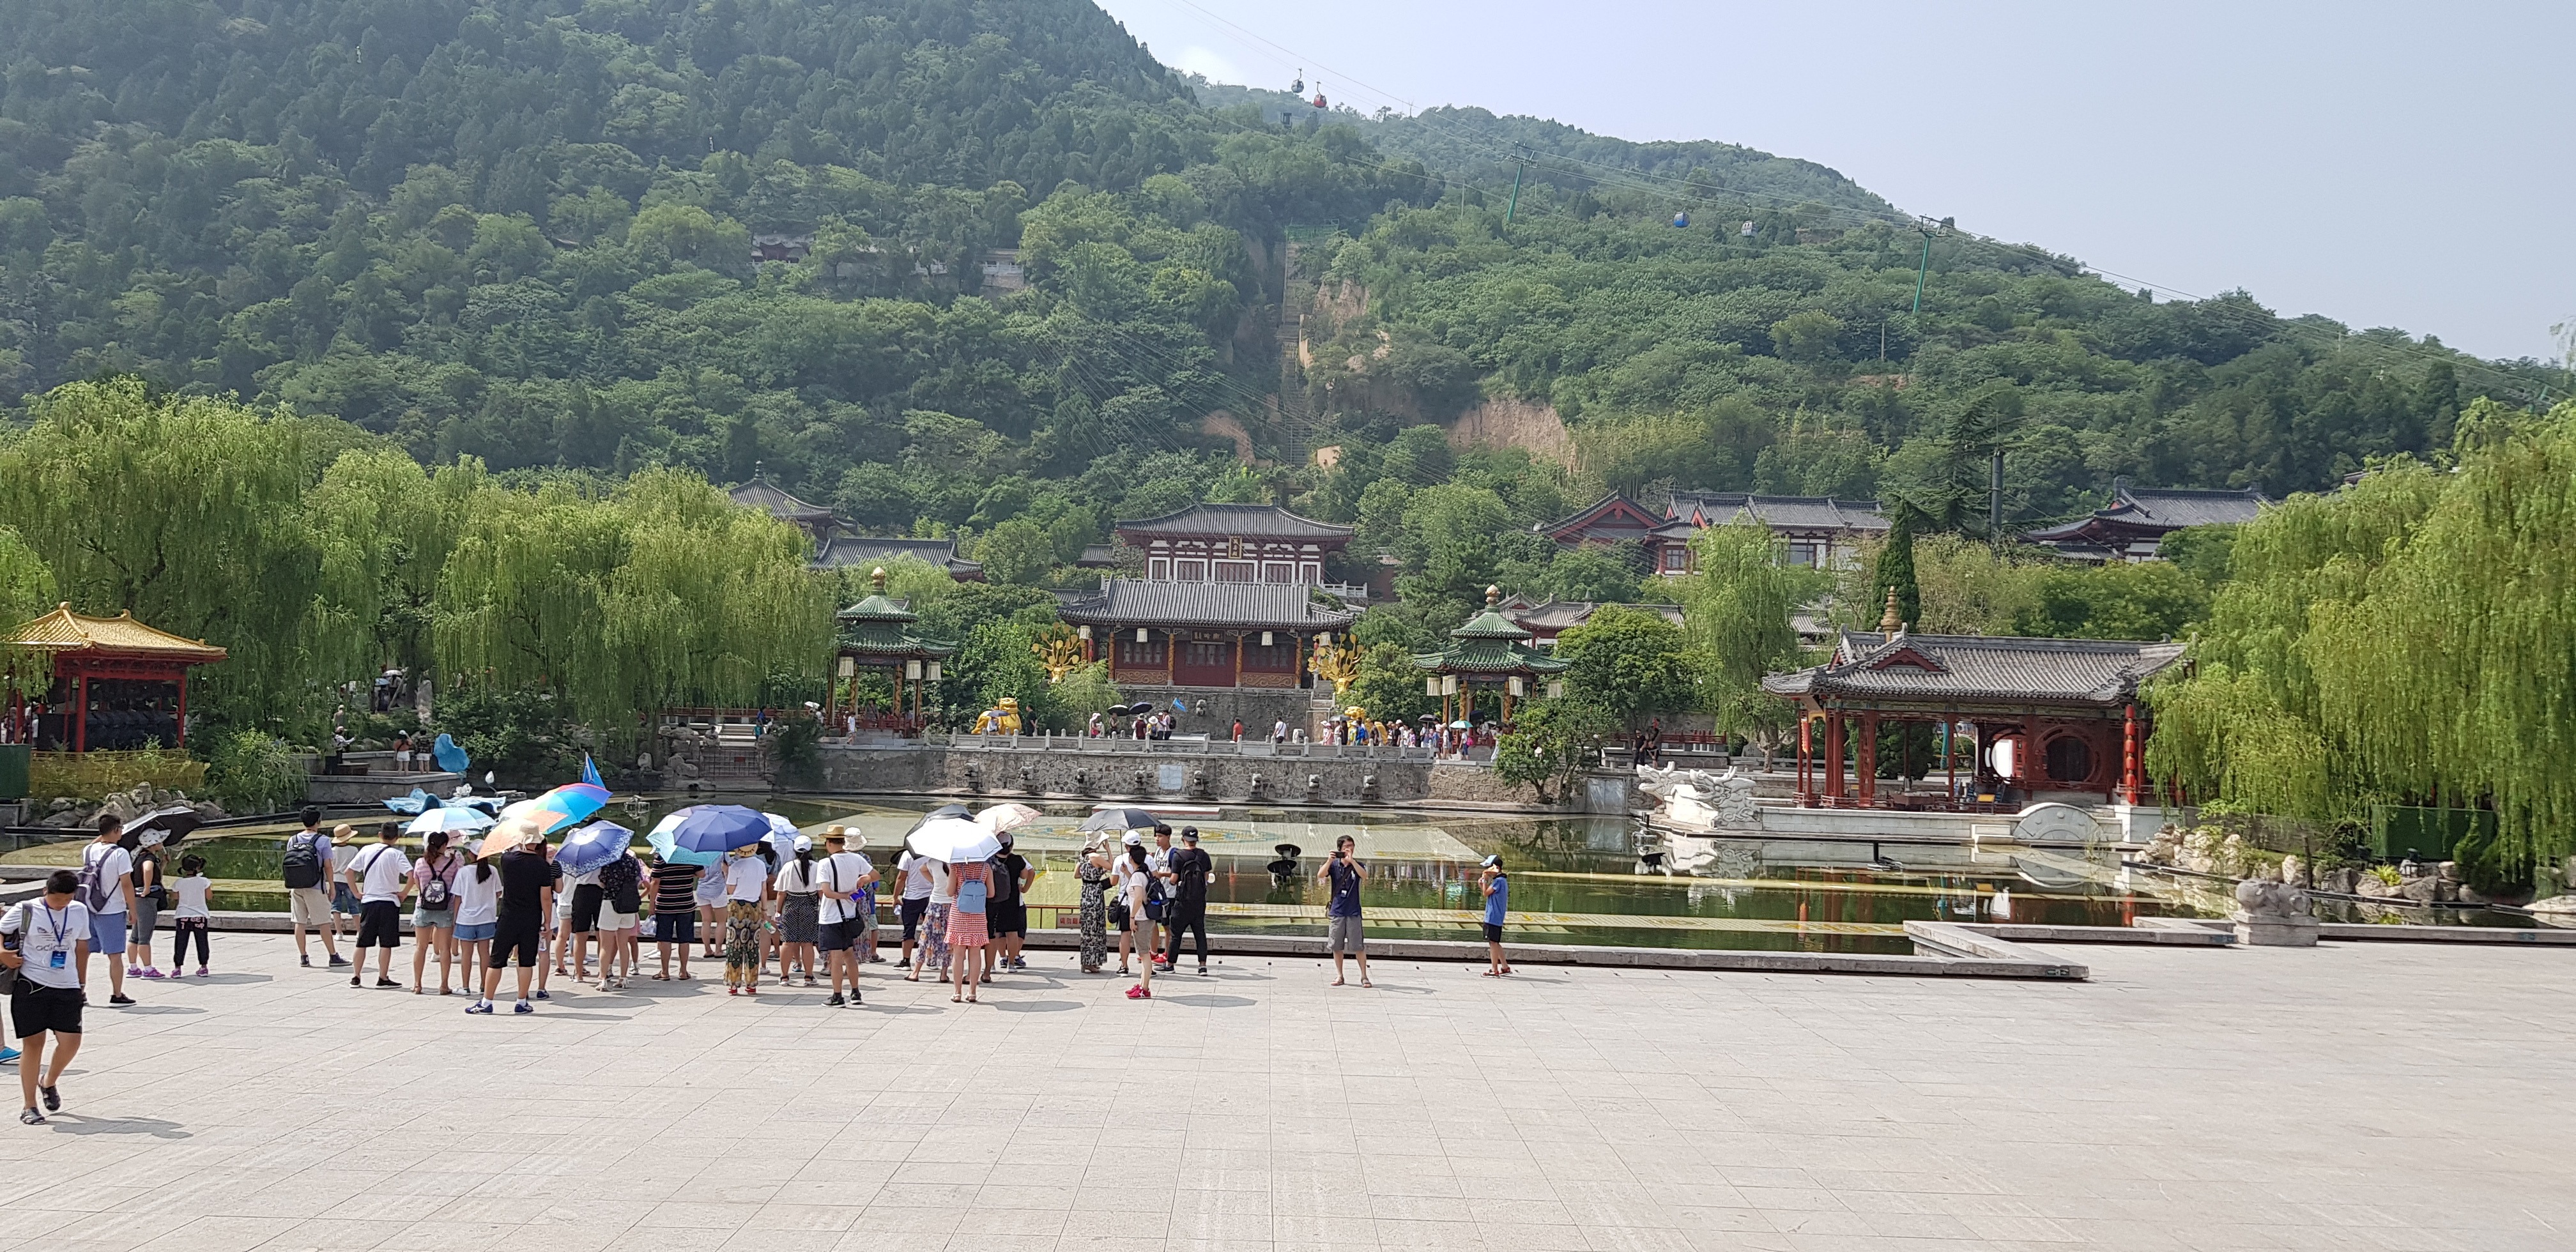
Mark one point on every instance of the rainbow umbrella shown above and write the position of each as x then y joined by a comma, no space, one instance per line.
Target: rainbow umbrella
564,806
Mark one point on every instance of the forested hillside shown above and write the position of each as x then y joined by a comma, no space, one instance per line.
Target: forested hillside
589,238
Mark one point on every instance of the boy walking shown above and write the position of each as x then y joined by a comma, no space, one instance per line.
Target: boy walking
46,941
1342,931
107,895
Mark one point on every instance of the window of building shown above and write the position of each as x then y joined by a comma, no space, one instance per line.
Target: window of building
1190,571
1146,655
1313,572
1159,569
1278,572
1234,571
1206,654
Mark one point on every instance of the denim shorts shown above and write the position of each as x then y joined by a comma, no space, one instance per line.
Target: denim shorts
475,932
107,933
423,919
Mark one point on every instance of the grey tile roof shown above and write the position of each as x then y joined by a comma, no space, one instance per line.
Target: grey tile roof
760,493
2165,506
1779,512
1255,606
1553,616
1867,665
1266,521
841,551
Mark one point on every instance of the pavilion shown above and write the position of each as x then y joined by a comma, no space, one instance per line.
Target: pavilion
2068,707
117,683
878,633
1490,649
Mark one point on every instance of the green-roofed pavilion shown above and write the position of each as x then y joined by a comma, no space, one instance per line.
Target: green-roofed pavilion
879,633
1489,651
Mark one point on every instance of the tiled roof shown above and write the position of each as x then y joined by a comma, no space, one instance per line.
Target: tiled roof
852,550
1266,521
760,493
1909,667
1717,508
1097,556
1562,615
1488,656
2158,509
1256,606
65,631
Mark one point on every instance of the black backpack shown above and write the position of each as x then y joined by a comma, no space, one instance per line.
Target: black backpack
304,861
620,881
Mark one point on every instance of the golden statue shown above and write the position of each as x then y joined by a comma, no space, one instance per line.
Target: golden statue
1338,664
1003,719
1058,651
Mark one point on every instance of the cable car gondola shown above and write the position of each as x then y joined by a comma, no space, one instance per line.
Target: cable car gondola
1298,87
1681,220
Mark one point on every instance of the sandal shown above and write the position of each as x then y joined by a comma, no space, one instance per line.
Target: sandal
956,999
661,978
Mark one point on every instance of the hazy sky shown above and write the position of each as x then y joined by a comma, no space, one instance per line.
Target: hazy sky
2382,164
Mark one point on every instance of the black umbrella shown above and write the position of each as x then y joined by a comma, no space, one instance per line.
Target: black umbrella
174,821
1119,819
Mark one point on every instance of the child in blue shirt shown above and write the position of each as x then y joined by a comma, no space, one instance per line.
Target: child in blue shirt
1498,902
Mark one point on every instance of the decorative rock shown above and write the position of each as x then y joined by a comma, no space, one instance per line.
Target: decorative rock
2294,871
2555,911
2374,886
2424,890
2273,915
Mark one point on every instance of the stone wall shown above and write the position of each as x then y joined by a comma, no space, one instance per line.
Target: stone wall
1258,707
1139,771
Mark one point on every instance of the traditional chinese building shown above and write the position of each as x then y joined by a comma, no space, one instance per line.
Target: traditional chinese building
1234,543
2026,716
2134,524
879,633
1204,634
1488,655
837,546
117,683
1820,531
1547,619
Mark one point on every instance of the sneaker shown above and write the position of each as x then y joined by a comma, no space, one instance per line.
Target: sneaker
525,1007
338,961
479,1006
854,999
53,1098
31,1117
7,1055
387,982
835,1002
201,972
541,994
136,971
356,980
307,961
1203,971
1138,992
120,999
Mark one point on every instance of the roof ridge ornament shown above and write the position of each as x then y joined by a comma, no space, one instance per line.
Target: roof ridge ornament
1888,623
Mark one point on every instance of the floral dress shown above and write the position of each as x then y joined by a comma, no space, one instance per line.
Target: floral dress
1095,914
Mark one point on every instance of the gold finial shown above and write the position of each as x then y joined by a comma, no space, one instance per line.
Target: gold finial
1888,623
1493,595
877,577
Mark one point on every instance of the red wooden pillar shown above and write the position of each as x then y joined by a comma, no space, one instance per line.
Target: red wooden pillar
1950,755
2133,776
183,708
80,713
1834,755
2028,762
1867,766
1806,761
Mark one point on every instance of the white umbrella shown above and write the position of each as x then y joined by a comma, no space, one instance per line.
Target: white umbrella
954,840
455,819
1006,816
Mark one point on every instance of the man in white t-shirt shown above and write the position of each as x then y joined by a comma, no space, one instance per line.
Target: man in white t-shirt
380,877
46,940
108,870
919,877
842,877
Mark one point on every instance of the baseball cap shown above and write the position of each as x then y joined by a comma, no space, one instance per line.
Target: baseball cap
1189,834
1494,861
804,843
1133,839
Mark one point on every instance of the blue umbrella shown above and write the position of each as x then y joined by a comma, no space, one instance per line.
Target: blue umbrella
711,828
673,854
449,757
458,820
592,846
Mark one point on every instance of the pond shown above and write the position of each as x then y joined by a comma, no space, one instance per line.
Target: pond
1576,880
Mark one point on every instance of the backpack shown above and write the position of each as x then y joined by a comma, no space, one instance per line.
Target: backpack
1153,897
304,861
433,893
971,896
95,891
620,880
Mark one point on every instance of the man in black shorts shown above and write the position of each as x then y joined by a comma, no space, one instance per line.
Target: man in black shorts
46,940
1187,912
1008,910
527,898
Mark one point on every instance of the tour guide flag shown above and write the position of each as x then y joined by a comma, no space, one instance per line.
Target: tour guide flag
590,772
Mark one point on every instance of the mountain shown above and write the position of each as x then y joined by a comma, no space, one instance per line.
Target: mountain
955,264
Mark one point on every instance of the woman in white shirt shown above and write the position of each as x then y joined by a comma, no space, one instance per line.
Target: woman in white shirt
476,893
1135,873
934,920
746,890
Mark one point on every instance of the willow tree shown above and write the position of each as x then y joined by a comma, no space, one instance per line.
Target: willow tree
2403,640
185,510
1736,618
26,590
385,527
661,594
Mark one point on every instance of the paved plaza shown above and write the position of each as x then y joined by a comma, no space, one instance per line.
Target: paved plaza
2353,1096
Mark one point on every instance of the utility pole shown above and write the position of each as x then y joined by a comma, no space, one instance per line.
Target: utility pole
1929,228
1995,499
1520,162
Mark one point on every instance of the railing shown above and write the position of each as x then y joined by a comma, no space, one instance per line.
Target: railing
1195,746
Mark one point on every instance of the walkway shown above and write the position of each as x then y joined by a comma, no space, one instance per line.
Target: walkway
2356,1096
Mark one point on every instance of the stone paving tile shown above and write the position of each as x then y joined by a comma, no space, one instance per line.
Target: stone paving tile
2182,1101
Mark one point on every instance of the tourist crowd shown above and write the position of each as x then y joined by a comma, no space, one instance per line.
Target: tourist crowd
804,910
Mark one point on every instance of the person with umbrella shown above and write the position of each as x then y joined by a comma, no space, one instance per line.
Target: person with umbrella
675,915
969,941
1137,884
433,914
621,886
150,893
527,895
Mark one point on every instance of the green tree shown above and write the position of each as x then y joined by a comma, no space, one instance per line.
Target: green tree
1736,616
1552,742
1631,662
1894,568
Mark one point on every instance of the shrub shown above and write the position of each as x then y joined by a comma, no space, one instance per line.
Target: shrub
255,772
